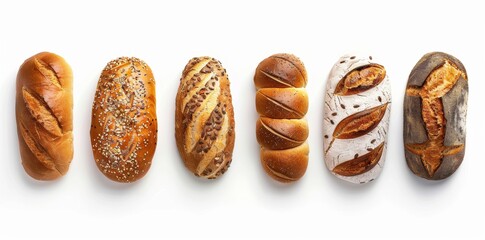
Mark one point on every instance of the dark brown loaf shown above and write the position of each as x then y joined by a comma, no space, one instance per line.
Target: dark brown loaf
282,103
435,107
124,120
44,115
204,118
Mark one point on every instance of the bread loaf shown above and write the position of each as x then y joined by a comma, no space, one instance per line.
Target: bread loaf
435,108
124,120
282,103
204,118
356,118
44,115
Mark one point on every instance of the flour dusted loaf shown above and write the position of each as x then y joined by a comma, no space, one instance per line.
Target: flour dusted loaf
356,118
435,108
281,129
204,118
124,120
43,110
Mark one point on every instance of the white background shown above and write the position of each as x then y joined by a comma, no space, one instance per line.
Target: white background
169,202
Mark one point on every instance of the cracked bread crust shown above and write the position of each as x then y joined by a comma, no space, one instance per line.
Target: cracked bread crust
435,108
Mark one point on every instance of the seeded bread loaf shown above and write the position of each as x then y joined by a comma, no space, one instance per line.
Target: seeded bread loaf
124,120
282,103
204,118
44,115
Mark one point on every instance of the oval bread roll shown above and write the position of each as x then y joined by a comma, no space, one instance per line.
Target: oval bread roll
124,120
204,118
44,115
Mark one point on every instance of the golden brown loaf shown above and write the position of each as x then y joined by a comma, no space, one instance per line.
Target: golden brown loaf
124,120
282,102
44,115
204,118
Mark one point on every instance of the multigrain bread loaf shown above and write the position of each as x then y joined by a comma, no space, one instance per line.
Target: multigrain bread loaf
124,120
204,118
282,103
44,115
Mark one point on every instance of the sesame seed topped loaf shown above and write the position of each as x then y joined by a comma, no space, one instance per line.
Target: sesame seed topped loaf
124,120
204,118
